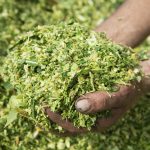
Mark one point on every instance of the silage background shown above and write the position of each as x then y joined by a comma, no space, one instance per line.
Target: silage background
19,16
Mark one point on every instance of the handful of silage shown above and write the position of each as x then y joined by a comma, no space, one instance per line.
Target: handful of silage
54,65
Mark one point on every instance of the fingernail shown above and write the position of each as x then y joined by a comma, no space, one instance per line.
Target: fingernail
83,105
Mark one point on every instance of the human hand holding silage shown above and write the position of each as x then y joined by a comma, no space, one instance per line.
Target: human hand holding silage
129,25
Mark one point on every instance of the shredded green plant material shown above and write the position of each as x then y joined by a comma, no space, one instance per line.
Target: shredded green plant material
131,133
19,16
53,65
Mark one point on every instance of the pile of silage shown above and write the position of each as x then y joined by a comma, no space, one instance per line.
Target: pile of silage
131,133
54,65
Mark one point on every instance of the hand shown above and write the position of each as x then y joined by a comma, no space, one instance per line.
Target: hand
118,102
129,25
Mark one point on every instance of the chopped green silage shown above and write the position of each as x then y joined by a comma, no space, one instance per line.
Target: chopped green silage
54,65
19,16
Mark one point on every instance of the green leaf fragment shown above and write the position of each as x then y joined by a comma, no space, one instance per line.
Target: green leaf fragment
12,116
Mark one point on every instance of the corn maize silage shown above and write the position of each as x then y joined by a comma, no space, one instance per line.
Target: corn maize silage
23,134
54,65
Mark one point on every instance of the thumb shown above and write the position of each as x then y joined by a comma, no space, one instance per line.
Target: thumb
93,102
99,101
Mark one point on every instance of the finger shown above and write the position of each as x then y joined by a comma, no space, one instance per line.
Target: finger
63,123
105,123
93,102
99,101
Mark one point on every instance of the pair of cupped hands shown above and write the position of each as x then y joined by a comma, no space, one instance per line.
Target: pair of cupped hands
128,28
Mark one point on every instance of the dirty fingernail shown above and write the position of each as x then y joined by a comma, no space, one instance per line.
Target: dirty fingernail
82,105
